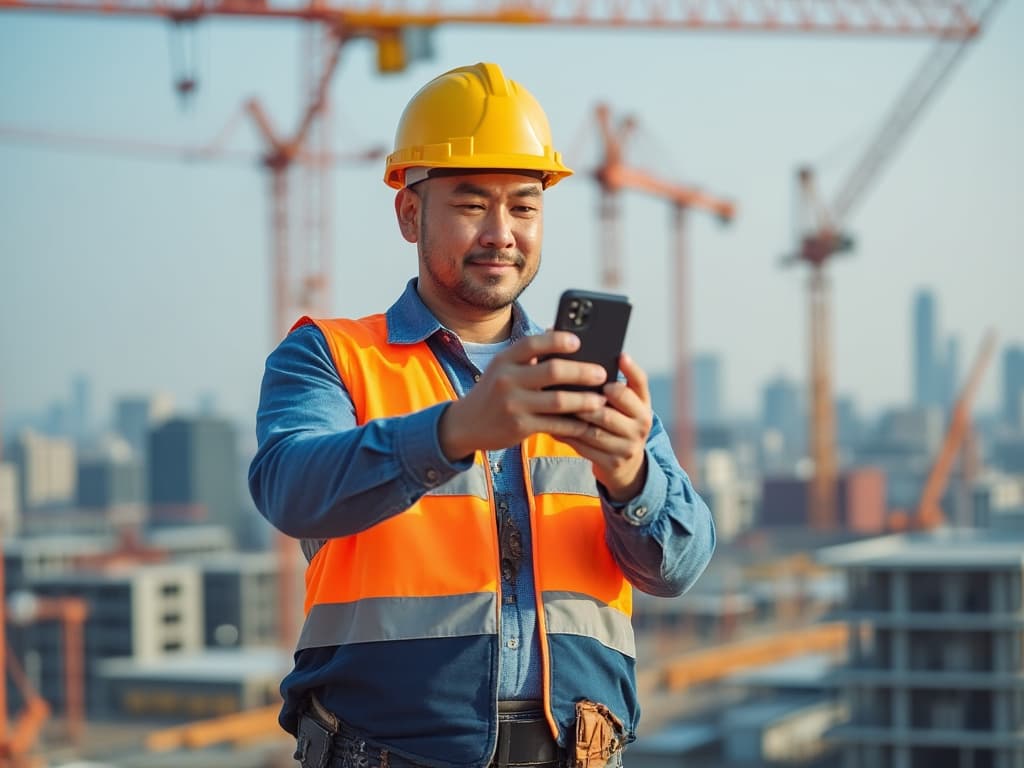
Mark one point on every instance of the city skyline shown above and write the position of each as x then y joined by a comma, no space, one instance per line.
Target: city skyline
154,278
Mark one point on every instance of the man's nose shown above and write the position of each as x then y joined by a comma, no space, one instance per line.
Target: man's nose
497,232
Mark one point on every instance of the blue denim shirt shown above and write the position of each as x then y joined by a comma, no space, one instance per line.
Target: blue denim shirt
319,474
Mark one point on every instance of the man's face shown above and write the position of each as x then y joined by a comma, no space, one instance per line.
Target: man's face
478,237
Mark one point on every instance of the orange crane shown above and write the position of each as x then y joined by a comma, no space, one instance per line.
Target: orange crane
826,238
17,739
309,297
392,28
928,514
614,175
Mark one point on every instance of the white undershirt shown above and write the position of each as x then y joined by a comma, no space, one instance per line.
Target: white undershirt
482,354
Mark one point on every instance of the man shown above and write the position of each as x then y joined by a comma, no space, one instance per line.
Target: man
473,531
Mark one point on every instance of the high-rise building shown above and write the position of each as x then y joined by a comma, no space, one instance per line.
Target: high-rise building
135,416
924,342
46,470
106,483
935,675
10,508
849,425
707,389
81,407
193,466
782,412
1013,387
949,378
936,365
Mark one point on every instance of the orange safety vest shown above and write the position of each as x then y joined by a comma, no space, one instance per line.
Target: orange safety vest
433,570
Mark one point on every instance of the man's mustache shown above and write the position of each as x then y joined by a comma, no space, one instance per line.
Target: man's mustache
497,257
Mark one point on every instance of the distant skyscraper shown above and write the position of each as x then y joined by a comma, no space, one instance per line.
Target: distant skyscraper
135,416
781,411
81,407
849,425
707,388
1013,387
936,365
193,473
924,349
109,483
950,376
46,470
10,510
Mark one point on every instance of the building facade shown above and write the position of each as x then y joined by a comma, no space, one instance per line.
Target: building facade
935,676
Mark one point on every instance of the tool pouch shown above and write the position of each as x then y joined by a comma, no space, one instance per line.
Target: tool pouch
313,744
599,735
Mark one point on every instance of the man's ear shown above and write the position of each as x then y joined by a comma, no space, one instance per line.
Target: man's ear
408,205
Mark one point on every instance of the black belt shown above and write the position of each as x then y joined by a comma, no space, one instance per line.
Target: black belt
524,740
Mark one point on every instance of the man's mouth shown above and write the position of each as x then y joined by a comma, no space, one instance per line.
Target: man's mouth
494,262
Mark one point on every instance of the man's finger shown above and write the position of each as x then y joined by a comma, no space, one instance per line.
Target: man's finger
636,377
541,345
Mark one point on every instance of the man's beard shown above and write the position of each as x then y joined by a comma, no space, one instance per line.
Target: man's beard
480,295
488,293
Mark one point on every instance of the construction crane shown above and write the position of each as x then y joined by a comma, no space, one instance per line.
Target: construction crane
827,238
614,175
307,297
399,30
928,514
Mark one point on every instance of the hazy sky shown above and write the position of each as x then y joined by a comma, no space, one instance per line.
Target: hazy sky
152,274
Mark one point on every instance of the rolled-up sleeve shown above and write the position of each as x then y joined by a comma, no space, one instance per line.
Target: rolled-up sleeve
663,538
317,473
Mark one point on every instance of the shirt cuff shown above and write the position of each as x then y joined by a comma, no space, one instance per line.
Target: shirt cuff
643,508
420,450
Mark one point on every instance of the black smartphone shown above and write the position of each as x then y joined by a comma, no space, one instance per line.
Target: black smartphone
600,320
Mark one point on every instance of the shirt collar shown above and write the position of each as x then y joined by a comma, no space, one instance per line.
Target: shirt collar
410,321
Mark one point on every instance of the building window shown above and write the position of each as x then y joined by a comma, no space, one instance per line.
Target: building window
977,592
925,592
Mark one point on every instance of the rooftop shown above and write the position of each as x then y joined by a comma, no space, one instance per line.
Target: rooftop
947,548
213,665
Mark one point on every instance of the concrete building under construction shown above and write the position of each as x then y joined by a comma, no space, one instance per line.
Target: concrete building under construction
935,676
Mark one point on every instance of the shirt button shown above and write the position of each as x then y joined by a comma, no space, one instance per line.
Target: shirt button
497,466
476,377
512,643
432,476
640,511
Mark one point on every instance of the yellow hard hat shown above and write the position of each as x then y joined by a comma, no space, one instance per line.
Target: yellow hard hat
473,118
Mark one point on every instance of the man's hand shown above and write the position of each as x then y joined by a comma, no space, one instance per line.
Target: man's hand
616,436
509,403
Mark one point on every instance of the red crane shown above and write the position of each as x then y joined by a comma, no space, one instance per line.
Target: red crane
614,175
826,238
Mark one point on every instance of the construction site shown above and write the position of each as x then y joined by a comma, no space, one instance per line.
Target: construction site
787,189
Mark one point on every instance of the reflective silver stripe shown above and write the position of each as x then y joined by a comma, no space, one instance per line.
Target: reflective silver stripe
399,618
471,482
572,613
564,474
310,547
